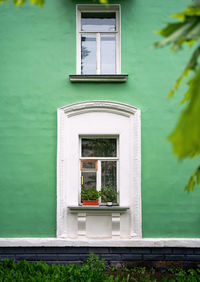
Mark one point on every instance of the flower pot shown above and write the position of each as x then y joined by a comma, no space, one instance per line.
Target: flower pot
109,204
90,202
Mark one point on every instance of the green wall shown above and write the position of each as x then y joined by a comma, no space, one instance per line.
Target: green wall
37,53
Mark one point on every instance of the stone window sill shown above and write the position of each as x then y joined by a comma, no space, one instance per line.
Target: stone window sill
98,78
98,208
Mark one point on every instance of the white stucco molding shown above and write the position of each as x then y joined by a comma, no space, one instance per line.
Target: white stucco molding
121,108
78,119
55,242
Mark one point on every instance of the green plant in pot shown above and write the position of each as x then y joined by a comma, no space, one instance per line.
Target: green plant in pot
109,195
90,197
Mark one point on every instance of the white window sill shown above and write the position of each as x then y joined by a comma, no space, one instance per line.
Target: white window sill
98,77
98,208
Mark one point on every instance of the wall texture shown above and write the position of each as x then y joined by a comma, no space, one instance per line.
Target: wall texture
37,53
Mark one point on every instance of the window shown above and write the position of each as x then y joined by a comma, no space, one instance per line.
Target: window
99,163
98,146
98,39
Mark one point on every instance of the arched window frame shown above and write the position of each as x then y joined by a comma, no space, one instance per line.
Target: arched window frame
133,197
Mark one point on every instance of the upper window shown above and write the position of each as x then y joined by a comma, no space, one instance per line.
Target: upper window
98,39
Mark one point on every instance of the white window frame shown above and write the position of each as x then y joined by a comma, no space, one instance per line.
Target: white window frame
99,159
83,119
98,8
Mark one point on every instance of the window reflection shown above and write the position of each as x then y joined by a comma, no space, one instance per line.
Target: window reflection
108,54
108,173
99,147
88,180
109,178
98,22
89,164
98,43
88,54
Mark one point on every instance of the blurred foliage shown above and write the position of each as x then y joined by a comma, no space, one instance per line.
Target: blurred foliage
103,1
21,2
39,2
186,136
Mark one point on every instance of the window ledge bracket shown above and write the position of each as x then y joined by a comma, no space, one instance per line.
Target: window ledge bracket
98,77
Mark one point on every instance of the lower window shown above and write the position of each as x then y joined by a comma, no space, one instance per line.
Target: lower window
98,152
99,167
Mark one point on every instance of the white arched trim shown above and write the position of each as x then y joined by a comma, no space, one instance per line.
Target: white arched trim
120,120
108,106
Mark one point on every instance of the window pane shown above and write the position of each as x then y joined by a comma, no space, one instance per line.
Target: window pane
90,165
98,22
99,147
88,54
108,54
88,180
109,180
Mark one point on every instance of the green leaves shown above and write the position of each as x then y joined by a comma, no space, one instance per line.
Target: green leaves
186,136
190,11
179,33
21,2
194,179
94,269
185,32
40,2
37,2
90,194
191,65
103,1
91,270
109,194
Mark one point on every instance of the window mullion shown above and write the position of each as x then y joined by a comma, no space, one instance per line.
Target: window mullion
99,176
98,38
78,42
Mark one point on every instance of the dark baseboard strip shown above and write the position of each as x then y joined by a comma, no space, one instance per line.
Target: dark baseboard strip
152,257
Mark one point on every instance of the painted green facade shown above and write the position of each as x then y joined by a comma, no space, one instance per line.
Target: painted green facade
37,54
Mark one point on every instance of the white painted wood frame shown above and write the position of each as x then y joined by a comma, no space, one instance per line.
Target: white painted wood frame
98,163
98,8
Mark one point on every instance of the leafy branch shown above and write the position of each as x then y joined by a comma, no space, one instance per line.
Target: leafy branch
39,2
186,136
21,2
195,177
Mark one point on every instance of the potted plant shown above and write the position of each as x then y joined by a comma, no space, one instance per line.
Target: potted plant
109,195
90,197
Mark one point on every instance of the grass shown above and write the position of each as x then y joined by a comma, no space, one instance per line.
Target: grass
93,270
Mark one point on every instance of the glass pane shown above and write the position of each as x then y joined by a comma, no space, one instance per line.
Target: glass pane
88,180
89,165
88,54
109,181
99,147
108,54
98,22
